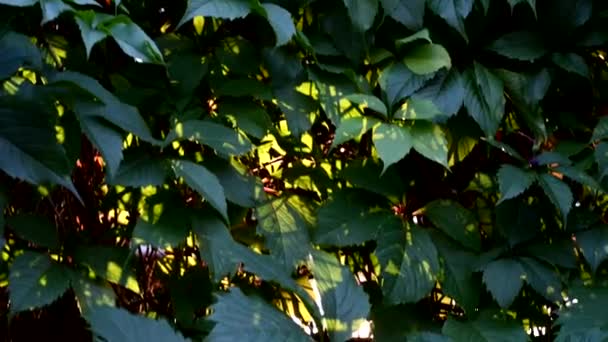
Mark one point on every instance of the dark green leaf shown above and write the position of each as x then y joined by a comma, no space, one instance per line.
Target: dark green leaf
362,12
117,324
35,281
281,22
517,221
578,175
543,279
31,152
249,117
204,182
445,92
169,228
238,317
427,59
285,230
114,264
19,3
140,170
353,128
225,141
36,229
558,192
225,9
409,263
369,101
601,157
513,181
418,109
429,140
398,82
345,304
584,320
522,45
531,3
593,245
601,130
504,278
456,221
51,9
367,174
409,13
484,98
18,51
393,143
485,329
571,62
450,11
347,220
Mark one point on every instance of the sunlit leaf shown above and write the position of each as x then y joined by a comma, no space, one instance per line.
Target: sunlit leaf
428,58
36,281
393,143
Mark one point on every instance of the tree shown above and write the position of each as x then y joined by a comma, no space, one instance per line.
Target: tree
296,170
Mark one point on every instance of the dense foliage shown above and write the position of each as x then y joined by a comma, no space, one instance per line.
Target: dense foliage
246,170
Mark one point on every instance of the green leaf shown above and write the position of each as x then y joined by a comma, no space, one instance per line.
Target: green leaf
427,337
409,13
51,9
485,329
35,281
226,141
504,278
36,229
584,321
578,175
521,45
362,13
429,140
526,91
392,142
249,117
114,264
484,98
409,264
347,220
281,22
571,62
297,108
456,221
135,42
18,51
285,230
224,9
117,324
601,157
593,246
459,281
110,109
367,174
418,109
427,59
517,220
186,71
203,182
138,170
601,130
237,318
369,101
353,128
453,12
239,186
513,181
398,82
531,3
558,192
217,248
19,3
166,229
345,304
445,92
88,22
420,35
31,153
103,136
543,279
